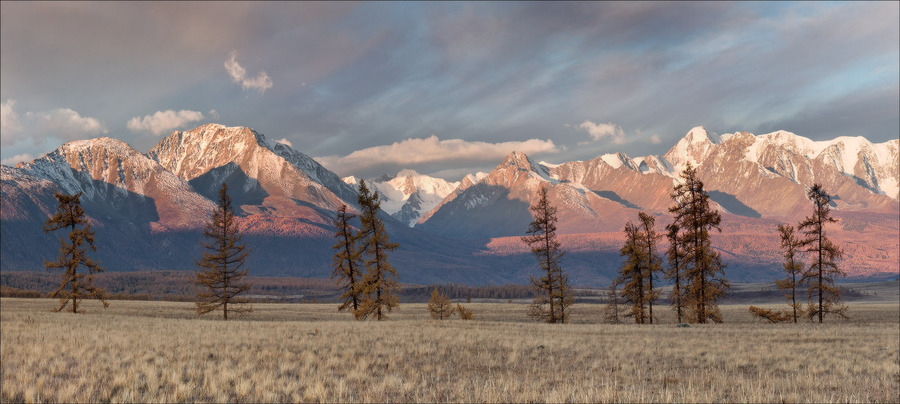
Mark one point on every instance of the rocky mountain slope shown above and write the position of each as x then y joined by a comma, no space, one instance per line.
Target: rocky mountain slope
149,209
756,181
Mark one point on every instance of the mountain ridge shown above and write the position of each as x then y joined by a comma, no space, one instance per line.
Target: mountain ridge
158,201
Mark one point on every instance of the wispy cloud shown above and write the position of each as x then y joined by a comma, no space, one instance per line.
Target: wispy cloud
285,141
599,131
61,123
412,152
162,122
238,74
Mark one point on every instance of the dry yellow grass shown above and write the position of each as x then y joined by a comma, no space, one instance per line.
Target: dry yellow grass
161,352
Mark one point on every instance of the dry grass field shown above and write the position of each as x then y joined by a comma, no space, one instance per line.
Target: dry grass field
161,352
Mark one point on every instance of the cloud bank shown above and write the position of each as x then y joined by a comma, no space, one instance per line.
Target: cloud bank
414,152
61,123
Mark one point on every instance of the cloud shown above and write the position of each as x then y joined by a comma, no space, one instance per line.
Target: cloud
285,142
600,131
9,120
12,161
61,123
414,152
654,139
66,123
261,82
162,122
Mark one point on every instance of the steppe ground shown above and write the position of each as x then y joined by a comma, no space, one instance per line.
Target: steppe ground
162,352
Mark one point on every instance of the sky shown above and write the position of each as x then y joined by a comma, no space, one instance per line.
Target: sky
446,88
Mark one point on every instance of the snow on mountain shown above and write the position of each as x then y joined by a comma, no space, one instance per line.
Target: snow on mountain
25,196
472,179
467,182
409,194
653,164
692,148
111,173
873,166
746,175
498,205
616,160
285,174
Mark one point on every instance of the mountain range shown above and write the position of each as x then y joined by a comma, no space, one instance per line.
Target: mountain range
149,208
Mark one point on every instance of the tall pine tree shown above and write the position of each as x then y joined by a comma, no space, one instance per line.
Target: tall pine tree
823,269
553,294
380,283
704,270
347,263
220,269
73,254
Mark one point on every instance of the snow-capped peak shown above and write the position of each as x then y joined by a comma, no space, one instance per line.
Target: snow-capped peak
475,178
692,148
281,170
409,194
698,134
616,160
521,162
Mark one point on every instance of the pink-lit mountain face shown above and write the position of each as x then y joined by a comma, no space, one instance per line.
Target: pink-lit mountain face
149,209
757,182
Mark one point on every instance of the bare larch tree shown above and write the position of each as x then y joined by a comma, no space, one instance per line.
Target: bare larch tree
650,241
380,283
614,303
633,273
674,272
439,306
553,299
790,244
704,270
74,253
464,313
823,269
220,270
347,262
